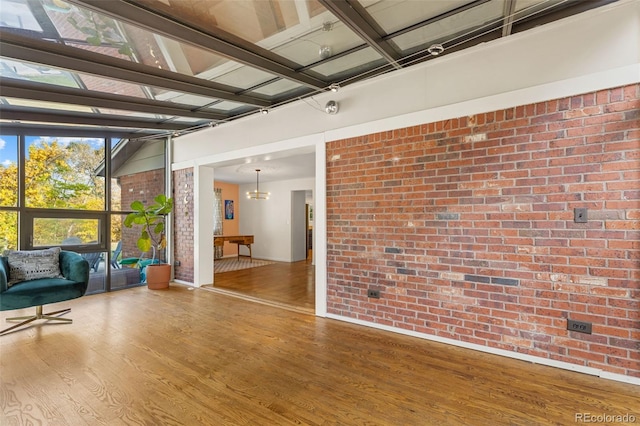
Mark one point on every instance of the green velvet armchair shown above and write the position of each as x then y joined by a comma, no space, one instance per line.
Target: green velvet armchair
38,292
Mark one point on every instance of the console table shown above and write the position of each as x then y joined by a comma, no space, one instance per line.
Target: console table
240,240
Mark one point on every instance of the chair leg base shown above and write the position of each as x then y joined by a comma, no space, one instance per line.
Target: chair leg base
39,315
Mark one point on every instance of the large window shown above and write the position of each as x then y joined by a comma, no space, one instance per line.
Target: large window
8,192
54,231
142,182
8,231
74,192
61,173
8,171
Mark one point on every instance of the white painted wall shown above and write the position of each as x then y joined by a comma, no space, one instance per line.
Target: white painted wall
203,225
298,226
269,221
591,51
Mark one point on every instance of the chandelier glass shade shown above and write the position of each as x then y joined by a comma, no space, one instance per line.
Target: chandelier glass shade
257,194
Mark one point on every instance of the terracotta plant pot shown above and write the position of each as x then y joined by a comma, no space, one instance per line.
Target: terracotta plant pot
158,276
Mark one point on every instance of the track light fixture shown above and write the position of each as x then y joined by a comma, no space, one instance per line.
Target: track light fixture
331,108
264,111
435,49
334,87
325,52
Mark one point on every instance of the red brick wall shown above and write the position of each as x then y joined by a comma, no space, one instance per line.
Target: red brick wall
144,187
183,224
466,228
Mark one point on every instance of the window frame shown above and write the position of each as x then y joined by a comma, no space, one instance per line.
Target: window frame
28,217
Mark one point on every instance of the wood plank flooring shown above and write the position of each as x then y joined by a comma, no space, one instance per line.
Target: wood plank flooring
289,285
194,357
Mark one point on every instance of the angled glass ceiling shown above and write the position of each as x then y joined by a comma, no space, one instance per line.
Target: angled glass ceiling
184,64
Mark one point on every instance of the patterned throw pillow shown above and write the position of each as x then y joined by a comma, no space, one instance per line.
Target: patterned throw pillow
33,264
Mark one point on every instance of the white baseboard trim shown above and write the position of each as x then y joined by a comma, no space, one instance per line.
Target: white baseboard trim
495,351
273,259
183,282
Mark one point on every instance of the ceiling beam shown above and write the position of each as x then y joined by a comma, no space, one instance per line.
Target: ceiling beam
19,114
56,55
212,39
13,88
508,13
49,130
352,15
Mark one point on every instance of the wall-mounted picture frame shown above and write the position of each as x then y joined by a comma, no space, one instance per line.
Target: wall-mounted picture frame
228,209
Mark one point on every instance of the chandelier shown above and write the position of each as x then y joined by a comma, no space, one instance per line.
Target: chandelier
257,195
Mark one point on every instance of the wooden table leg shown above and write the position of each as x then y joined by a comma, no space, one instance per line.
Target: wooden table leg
241,243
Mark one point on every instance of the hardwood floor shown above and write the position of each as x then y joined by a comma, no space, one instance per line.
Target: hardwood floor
194,357
290,285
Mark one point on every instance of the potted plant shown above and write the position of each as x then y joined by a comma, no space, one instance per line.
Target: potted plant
152,220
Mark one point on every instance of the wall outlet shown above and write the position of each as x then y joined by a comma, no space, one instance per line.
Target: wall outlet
580,215
374,294
579,326
176,263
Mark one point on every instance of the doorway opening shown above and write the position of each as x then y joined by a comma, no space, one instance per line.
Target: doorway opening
281,229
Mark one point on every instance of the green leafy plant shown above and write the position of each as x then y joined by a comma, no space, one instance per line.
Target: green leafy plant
152,220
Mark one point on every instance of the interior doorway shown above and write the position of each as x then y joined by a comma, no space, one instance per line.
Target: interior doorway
288,282
307,154
283,220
